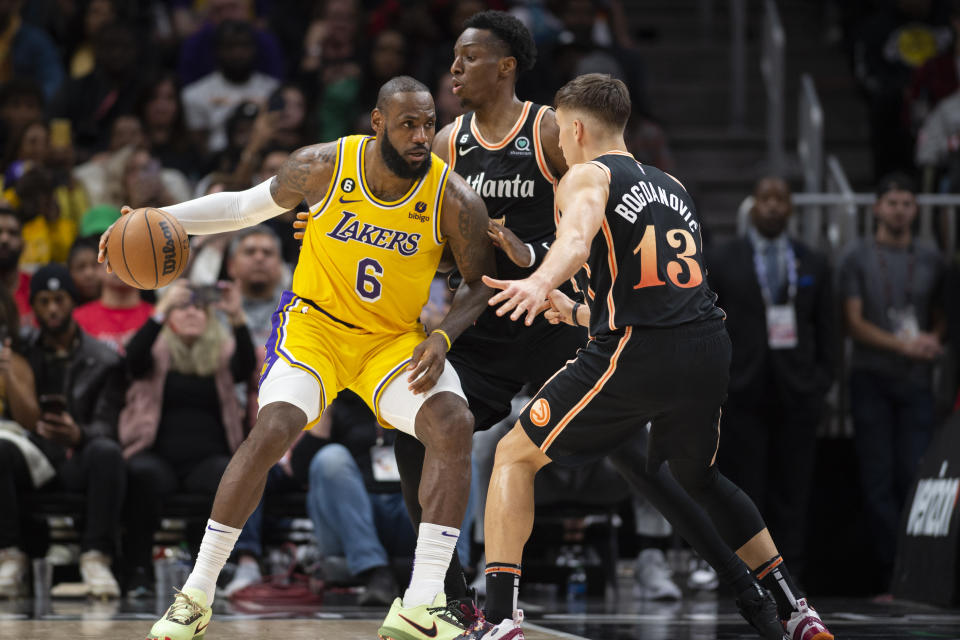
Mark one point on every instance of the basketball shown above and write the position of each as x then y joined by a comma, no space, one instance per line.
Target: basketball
148,248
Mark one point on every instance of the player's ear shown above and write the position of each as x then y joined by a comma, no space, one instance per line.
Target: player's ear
508,65
376,121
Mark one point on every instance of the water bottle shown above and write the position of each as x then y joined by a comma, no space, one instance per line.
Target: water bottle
577,587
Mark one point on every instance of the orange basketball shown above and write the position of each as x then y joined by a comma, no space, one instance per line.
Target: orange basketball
148,248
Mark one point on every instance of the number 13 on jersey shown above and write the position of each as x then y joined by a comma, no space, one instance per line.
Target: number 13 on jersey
679,239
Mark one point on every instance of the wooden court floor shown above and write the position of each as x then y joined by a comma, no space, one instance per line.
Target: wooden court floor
253,629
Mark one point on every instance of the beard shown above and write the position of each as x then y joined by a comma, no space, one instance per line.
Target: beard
8,259
56,329
396,163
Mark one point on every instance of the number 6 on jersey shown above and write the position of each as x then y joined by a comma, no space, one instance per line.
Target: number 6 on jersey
368,286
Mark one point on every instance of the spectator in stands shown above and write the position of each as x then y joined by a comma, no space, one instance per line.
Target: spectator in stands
131,176
209,101
79,383
161,112
182,421
47,236
937,78
198,54
387,59
11,246
85,271
255,265
938,146
21,102
22,465
890,45
890,286
92,102
27,52
354,499
294,126
30,146
116,315
778,296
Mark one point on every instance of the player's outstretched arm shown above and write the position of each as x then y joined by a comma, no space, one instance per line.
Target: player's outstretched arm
582,199
305,174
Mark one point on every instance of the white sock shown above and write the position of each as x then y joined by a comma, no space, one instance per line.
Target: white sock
217,544
435,547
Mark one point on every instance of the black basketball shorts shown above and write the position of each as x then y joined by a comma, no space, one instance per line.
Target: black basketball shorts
675,378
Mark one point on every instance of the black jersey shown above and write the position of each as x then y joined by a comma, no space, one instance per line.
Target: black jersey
646,264
512,177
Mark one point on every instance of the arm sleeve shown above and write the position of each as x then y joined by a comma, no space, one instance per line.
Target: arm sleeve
227,211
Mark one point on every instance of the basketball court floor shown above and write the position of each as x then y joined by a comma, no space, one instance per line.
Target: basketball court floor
695,618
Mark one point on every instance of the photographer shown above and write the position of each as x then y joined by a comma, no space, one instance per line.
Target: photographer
79,383
182,420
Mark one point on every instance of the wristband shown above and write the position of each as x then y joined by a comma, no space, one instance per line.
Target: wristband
533,255
445,336
573,313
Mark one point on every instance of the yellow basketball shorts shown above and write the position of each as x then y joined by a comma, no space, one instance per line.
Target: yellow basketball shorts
311,356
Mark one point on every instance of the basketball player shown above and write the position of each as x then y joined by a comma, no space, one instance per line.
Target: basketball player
382,210
658,351
509,152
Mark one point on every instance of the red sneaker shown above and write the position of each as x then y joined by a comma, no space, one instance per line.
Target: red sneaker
805,624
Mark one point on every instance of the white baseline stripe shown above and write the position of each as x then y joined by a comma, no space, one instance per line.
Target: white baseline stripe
558,634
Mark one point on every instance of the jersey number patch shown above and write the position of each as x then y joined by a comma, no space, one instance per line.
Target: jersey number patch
679,239
368,285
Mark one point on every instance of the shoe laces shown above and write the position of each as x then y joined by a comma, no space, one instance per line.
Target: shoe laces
184,609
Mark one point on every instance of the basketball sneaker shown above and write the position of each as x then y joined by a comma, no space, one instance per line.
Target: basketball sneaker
507,630
805,624
186,619
437,621
758,607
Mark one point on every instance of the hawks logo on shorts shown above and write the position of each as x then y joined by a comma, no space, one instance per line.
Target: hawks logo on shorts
540,412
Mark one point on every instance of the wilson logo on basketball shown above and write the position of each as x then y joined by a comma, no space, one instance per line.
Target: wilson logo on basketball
169,249
540,412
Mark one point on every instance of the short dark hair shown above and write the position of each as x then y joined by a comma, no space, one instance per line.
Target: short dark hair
514,35
88,243
399,84
233,28
21,88
896,181
600,95
255,230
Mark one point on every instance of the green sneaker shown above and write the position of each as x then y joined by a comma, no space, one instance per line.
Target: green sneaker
186,619
438,621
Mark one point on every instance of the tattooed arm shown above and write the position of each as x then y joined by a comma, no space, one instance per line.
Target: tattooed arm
463,223
305,174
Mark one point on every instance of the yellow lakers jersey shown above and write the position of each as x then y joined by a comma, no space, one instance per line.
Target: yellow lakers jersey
367,262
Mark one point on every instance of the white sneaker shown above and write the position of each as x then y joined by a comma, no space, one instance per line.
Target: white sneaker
654,577
96,574
13,573
247,574
702,576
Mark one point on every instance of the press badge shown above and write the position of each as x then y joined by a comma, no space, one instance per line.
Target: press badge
781,326
904,322
384,462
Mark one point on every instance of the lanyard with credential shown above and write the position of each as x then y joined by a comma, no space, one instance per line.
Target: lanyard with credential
761,267
888,286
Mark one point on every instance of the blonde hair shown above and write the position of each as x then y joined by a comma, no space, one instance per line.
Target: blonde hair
202,358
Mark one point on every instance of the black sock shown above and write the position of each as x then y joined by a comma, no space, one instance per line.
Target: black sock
503,582
774,576
455,582
735,574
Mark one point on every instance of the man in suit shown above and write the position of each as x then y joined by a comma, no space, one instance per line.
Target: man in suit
778,296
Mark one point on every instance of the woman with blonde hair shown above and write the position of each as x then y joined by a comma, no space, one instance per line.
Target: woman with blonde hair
182,421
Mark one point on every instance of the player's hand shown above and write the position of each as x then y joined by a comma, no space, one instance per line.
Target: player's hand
561,307
102,255
426,365
527,296
301,223
506,240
